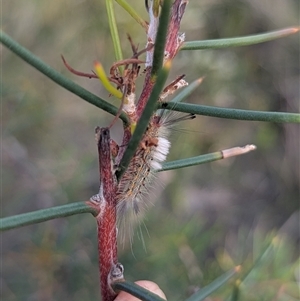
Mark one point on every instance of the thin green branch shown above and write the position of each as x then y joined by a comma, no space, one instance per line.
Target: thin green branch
99,70
133,13
266,253
43,215
64,82
223,154
114,31
268,250
160,40
234,113
212,287
240,41
235,292
144,120
81,207
191,161
136,291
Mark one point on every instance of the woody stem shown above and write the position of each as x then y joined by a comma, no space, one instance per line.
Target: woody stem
106,220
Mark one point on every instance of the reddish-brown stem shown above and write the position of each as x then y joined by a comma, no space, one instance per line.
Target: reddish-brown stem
173,43
79,73
123,146
147,88
124,62
106,220
110,270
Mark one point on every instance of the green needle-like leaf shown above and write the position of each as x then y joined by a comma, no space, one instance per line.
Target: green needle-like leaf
132,12
37,63
144,120
233,113
114,31
136,291
240,41
43,215
191,161
161,36
226,153
235,291
212,287
267,253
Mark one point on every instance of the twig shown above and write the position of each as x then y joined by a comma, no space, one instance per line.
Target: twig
106,219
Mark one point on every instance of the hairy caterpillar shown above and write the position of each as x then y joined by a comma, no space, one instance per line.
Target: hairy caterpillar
134,186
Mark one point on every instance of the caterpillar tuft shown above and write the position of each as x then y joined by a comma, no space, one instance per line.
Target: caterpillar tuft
134,186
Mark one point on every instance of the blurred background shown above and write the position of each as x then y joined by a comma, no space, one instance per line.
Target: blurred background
205,219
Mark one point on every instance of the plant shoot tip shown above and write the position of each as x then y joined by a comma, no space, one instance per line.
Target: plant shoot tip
97,64
238,268
296,29
168,65
201,79
236,151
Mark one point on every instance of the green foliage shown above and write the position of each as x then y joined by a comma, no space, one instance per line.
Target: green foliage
209,219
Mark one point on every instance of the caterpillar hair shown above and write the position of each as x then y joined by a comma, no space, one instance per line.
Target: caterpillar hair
133,189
